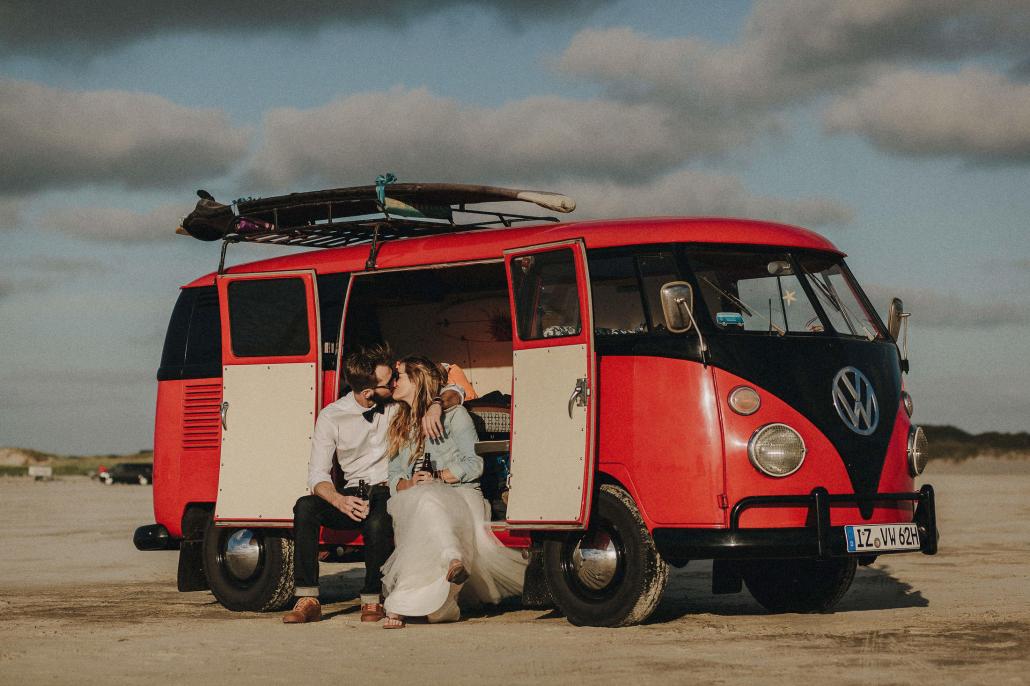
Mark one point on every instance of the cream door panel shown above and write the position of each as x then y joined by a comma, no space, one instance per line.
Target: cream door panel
266,440
548,447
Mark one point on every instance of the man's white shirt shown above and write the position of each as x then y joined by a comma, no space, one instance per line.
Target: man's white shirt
359,445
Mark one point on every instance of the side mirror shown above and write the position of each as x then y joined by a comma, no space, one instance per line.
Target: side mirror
894,316
897,325
678,306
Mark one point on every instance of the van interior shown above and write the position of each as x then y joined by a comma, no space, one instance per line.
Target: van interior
454,315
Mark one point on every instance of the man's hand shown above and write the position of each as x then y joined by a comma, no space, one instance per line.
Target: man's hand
352,506
431,424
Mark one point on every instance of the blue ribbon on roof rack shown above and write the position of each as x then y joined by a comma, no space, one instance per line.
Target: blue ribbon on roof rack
382,181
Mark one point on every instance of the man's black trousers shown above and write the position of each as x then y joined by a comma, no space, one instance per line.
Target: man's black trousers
312,512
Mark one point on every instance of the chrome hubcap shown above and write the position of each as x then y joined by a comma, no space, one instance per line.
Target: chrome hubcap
242,554
595,561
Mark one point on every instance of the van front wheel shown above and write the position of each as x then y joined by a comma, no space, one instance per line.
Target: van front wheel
249,570
610,575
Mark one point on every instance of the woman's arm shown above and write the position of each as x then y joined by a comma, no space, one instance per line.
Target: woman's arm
398,472
467,466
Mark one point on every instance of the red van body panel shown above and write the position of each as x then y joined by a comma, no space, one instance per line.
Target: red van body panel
659,425
187,444
822,465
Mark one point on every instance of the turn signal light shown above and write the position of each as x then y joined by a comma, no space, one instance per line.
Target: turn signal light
906,400
744,400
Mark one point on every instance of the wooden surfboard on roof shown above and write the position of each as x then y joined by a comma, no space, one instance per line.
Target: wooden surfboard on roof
364,214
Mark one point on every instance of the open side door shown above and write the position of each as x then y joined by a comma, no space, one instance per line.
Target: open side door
270,377
553,397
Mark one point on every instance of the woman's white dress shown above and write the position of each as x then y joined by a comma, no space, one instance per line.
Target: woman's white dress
435,523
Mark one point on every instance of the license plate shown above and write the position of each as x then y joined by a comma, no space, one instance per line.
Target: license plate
878,538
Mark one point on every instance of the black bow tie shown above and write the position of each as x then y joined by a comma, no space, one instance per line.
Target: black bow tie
370,414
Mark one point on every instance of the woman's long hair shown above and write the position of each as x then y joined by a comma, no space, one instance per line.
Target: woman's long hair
406,427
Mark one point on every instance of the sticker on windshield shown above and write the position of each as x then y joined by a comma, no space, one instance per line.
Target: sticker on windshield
729,319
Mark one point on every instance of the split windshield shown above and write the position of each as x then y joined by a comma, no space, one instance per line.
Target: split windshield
772,292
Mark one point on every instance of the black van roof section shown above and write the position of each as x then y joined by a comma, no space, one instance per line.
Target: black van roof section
363,214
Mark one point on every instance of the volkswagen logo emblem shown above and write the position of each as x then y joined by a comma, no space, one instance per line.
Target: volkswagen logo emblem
855,400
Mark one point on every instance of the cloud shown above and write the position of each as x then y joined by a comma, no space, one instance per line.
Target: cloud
693,193
59,139
422,136
975,115
941,309
794,50
817,35
11,209
115,224
61,28
38,273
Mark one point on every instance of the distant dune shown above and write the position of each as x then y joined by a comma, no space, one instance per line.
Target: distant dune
952,443
13,461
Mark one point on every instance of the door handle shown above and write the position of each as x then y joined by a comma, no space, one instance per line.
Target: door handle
225,411
579,395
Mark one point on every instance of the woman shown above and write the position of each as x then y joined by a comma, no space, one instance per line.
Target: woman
440,521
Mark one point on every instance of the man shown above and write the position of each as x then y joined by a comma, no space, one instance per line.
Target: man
354,428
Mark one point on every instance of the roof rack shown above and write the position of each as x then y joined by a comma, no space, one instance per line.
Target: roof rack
362,214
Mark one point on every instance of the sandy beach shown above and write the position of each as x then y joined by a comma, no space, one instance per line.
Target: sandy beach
78,604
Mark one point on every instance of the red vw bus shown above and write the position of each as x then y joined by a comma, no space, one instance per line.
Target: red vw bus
653,391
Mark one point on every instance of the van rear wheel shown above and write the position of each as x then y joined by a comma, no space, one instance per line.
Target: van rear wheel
249,570
611,575
799,585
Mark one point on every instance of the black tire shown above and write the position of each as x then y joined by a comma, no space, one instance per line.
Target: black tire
268,587
799,585
625,590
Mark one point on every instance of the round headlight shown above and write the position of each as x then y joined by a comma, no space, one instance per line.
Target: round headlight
906,400
776,450
918,451
744,400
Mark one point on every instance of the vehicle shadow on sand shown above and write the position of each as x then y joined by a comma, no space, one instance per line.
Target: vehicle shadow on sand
690,592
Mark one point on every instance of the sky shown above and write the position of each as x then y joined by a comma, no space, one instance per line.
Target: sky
899,129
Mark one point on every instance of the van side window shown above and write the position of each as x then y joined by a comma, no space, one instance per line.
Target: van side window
618,308
204,343
656,270
546,297
193,343
626,290
268,318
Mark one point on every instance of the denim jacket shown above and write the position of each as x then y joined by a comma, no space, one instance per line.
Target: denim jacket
456,452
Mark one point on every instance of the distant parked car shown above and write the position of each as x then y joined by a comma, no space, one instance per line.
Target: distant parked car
141,473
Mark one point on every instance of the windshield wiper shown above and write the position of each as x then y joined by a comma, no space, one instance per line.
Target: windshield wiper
830,292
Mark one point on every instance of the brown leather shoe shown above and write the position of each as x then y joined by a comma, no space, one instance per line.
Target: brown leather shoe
372,612
306,610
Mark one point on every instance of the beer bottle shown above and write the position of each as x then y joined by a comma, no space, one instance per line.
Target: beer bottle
363,490
427,465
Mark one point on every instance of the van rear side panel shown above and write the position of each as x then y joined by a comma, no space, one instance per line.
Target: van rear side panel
187,439
187,431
